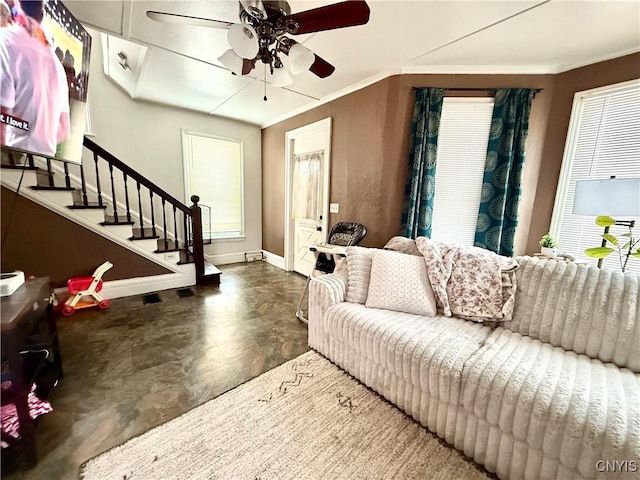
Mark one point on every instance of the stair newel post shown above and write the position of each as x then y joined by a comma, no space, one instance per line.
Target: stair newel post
85,199
67,179
164,225
49,172
126,196
140,218
175,226
153,216
198,247
95,160
113,195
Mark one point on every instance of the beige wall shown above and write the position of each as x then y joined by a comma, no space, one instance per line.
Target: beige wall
370,146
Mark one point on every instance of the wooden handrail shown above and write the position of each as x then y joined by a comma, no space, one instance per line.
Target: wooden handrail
192,216
97,149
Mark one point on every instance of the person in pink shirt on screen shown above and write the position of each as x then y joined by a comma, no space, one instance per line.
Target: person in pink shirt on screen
34,96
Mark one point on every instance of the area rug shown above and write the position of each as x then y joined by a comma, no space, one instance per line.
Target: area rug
305,419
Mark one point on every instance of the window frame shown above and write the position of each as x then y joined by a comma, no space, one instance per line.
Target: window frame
571,144
241,235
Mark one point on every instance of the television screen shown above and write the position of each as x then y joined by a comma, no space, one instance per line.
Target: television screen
44,63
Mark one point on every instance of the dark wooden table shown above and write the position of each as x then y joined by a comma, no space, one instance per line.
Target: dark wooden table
22,314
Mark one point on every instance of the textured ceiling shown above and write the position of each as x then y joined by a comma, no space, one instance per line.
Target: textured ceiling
177,64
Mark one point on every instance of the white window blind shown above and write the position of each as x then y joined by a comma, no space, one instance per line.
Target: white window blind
603,141
462,151
215,174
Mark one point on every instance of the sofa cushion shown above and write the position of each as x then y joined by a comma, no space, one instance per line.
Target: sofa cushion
429,352
404,245
399,282
581,308
359,270
573,408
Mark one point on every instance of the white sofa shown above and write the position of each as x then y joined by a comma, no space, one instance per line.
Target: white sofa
554,393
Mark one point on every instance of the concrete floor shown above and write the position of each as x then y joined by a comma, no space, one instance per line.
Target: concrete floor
135,365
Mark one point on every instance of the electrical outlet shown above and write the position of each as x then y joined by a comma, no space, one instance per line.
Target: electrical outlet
334,208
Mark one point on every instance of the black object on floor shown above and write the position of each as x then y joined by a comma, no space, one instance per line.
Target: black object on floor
151,298
185,292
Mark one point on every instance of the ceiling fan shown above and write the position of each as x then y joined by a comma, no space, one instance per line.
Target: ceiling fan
262,33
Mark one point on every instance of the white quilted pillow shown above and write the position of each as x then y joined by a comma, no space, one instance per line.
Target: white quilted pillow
400,282
358,269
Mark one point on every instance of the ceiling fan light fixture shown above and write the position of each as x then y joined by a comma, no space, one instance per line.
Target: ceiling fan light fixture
300,58
232,61
243,40
281,78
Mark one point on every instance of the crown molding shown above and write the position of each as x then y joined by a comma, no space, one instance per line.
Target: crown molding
340,93
584,63
480,69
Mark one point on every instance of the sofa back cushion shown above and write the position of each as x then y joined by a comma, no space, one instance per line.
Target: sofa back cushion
582,308
400,282
359,271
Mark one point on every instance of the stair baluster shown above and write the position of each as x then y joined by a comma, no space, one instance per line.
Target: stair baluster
83,180
153,216
164,226
113,195
49,172
126,196
67,179
95,159
175,227
30,161
140,216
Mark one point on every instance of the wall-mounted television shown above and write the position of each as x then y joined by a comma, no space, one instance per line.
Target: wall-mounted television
44,68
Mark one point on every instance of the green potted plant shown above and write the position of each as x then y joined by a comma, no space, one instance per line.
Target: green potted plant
625,250
548,245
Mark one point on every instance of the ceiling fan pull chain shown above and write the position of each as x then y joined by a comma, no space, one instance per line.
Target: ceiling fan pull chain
265,82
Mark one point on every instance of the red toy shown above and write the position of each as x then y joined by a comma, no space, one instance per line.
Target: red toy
80,287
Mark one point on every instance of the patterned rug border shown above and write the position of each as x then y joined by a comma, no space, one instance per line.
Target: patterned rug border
310,352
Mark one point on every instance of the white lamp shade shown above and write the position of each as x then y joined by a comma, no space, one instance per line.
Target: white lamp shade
281,77
243,40
232,61
615,197
300,58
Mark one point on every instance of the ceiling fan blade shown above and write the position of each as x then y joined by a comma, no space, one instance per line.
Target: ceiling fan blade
166,17
321,67
255,8
329,17
248,65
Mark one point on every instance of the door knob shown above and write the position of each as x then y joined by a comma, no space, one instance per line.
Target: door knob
319,229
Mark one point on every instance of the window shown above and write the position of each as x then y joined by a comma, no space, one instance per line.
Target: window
462,151
603,140
214,172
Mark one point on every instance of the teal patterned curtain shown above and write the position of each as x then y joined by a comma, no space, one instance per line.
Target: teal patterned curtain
420,187
498,214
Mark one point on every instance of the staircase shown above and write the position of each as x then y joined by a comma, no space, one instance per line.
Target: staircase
110,198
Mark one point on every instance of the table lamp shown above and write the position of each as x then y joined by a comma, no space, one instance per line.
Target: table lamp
614,197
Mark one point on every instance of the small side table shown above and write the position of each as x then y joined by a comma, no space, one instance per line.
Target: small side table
21,314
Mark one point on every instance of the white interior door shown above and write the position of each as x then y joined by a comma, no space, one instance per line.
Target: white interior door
308,162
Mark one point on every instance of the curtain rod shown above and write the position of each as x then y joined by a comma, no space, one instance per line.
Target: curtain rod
476,89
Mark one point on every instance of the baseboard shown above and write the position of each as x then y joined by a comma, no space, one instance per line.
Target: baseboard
273,259
141,285
224,258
